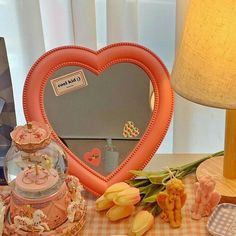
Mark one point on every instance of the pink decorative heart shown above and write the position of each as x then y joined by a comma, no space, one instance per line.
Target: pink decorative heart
97,62
93,157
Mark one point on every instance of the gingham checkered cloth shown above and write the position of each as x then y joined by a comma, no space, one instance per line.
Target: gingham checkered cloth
97,223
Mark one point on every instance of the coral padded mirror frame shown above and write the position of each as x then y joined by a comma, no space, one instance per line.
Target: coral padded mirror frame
97,62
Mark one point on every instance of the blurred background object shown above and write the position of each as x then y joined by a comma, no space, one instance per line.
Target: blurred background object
7,108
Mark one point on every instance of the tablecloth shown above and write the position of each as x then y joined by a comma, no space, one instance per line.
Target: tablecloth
97,223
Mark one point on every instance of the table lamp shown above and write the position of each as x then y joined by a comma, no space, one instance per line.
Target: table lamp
205,72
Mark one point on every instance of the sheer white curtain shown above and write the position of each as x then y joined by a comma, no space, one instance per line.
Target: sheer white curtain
32,27
21,28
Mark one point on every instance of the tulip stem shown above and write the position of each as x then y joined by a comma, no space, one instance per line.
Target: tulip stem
151,183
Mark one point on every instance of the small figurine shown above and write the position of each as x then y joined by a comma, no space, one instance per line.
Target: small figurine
76,194
35,222
171,201
205,197
73,209
71,182
76,206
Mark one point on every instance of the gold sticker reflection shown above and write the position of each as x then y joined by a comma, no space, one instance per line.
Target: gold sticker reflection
130,131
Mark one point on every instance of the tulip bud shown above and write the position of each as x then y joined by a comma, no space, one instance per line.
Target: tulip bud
114,189
103,204
129,196
142,222
119,212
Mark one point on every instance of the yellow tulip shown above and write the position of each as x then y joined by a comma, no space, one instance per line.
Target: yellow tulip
129,196
142,222
119,212
114,189
103,204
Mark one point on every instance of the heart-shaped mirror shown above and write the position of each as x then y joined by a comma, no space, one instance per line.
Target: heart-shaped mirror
98,105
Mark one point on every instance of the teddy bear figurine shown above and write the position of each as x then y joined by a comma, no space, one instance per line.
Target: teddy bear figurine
205,197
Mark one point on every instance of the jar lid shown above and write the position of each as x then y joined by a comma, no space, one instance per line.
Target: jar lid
32,136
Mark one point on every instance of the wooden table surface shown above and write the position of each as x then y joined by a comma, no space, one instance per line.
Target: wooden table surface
160,161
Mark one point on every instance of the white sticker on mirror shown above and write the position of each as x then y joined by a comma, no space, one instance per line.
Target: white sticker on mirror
69,82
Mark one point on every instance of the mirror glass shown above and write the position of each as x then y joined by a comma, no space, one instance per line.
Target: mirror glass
103,118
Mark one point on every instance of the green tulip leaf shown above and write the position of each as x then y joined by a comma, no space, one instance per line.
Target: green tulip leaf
139,182
152,193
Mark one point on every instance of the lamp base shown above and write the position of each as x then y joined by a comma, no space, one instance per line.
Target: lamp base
225,187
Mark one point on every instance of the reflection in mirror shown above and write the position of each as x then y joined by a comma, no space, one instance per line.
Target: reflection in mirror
100,118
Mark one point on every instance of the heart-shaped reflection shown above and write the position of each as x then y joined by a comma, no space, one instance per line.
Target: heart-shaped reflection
98,62
93,157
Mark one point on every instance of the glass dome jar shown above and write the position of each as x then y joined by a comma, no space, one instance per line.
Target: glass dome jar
35,166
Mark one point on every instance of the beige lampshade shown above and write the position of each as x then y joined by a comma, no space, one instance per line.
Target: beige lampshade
205,67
